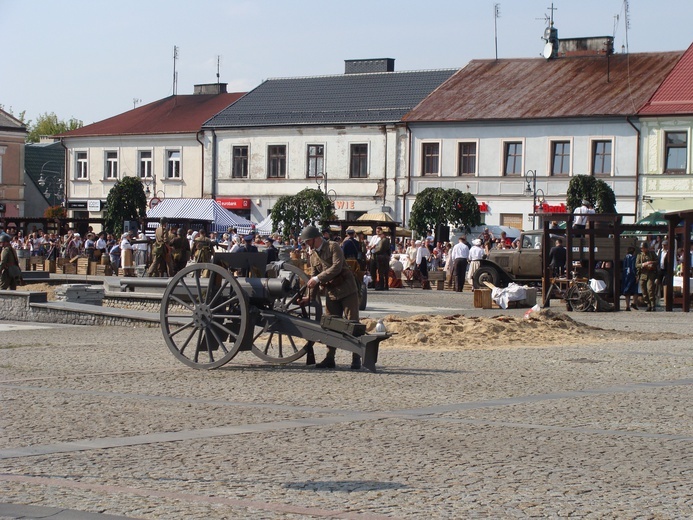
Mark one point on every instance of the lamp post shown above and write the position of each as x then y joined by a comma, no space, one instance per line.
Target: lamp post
532,191
53,184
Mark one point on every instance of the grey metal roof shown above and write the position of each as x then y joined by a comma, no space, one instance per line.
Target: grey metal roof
9,122
343,99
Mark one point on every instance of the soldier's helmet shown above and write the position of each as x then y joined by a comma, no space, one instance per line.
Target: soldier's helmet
163,220
310,232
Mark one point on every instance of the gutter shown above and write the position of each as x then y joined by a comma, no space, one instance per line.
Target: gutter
202,163
385,173
65,184
637,171
408,190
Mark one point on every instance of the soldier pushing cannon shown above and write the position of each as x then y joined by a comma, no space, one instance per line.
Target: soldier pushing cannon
207,321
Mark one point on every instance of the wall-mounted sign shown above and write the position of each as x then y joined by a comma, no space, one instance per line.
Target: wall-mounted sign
234,203
551,208
483,207
344,204
77,204
94,205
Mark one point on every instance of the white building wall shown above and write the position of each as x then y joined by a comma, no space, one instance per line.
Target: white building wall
358,194
505,194
97,187
663,191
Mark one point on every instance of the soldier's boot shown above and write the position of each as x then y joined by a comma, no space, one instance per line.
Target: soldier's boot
310,356
355,361
328,362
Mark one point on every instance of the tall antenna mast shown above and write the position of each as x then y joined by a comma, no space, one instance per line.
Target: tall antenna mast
496,15
218,63
626,15
175,74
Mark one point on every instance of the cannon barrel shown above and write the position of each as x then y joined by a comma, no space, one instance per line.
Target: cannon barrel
262,291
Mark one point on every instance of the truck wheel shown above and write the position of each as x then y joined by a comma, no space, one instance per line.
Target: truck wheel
485,274
604,276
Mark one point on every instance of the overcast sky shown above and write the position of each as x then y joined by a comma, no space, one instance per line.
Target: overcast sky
90,59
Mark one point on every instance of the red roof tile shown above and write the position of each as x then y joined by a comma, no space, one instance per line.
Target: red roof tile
536,88
171,115
675,94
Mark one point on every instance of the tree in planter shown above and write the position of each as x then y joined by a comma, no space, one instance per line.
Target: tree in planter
587,187
292,211
435,206
125,201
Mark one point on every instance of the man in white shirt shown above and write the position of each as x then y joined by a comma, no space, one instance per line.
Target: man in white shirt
581,213
460,256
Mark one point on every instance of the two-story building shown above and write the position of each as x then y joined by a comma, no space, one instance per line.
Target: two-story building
12,137
340,133
666,126
513,132
160,143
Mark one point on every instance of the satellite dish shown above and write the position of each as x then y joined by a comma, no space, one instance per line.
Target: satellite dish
548,50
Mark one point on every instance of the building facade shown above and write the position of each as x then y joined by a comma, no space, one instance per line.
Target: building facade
12,137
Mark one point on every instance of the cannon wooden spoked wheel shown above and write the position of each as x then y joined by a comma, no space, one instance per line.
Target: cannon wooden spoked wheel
205,321
280,348
580,298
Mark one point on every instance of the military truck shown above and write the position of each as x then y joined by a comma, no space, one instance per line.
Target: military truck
524,264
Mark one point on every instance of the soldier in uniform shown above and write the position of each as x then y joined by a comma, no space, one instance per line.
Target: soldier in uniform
161,255
10,273
180,251
330,271
646,268
202,248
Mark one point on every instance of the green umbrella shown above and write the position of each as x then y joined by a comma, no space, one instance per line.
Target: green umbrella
653,219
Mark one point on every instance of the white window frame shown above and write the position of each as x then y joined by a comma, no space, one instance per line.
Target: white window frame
458,158
324,160
170,160
110,170
149,161
590,153
505,142
663,155
422,158
81,165
549,166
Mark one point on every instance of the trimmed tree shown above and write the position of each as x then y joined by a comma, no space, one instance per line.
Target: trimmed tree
435,206
291,212
125,201
587,187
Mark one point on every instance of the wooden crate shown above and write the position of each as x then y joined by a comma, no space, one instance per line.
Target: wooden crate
482,299
69,268
83,266
49,266
92,267
35,263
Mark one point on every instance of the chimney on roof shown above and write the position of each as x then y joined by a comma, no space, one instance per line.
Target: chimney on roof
366,66
210,89
588,46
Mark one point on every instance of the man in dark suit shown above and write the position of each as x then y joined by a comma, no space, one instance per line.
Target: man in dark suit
662,268
557,258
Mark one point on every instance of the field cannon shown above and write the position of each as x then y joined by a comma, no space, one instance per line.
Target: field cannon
211,311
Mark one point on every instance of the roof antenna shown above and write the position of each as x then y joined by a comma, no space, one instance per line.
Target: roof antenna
550,36
175,74
496,16
218,63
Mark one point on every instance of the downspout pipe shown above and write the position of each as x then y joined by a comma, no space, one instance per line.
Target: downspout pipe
408,190
65,184
385,172
202,163
637,161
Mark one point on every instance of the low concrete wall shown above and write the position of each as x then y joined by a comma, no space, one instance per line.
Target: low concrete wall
34,307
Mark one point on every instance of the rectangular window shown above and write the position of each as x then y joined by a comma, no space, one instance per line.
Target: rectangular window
466,161
239,167
276,162
173,160
560,157
676,152
111,165
358,164
316,161
81,165
601,157
430,158
145,160
512,158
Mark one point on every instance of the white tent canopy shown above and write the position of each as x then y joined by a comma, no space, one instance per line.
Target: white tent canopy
200,209
265,227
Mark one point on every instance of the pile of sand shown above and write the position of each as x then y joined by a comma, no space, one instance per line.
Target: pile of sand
41,287
458,332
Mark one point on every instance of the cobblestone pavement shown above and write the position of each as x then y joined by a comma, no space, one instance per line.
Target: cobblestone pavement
105,420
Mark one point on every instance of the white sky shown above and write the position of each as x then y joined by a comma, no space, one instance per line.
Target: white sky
89,59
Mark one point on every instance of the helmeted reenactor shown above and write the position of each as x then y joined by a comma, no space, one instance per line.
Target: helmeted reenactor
10,272
161,254
180,250
202,250
330,271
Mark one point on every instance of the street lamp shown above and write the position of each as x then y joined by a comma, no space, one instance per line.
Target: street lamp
53,184
531,191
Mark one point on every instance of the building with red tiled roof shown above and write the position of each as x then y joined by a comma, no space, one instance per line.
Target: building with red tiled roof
514,131
666,119
161,143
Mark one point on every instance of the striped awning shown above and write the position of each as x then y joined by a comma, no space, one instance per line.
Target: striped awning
200,209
